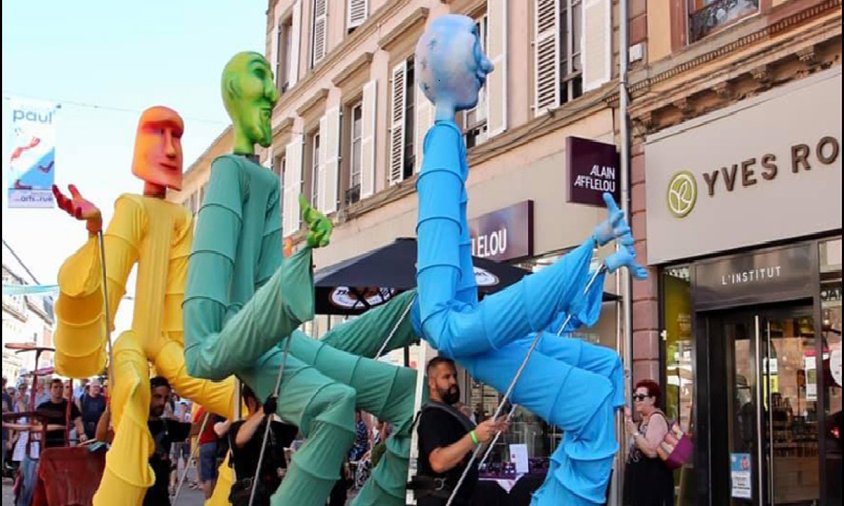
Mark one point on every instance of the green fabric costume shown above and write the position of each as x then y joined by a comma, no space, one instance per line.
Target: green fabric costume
242,299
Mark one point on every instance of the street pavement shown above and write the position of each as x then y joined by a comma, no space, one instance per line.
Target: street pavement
187,497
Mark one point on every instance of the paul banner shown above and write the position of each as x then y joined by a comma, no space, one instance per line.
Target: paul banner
33,157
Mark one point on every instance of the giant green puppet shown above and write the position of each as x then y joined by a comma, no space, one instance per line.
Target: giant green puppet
243,300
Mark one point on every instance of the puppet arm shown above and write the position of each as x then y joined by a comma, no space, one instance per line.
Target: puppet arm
80,313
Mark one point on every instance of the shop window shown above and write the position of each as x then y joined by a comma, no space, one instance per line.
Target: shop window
678,344
830,296
708,16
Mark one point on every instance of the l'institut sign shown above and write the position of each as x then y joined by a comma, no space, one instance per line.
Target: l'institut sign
766,169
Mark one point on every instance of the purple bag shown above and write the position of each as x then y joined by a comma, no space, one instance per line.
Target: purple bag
676,448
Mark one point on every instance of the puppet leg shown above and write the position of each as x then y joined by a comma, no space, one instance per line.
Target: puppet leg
383,390
127,474
324,411
578,401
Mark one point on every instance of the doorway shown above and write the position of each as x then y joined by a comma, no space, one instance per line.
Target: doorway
765,425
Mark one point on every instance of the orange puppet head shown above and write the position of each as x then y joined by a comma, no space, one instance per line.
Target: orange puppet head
158,148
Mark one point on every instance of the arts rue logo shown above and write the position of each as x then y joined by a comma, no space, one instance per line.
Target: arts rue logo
682,194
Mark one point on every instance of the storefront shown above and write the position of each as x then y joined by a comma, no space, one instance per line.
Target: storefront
744,219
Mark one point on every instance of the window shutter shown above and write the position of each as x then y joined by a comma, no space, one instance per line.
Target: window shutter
330,160
320,28
397,108
496,85
596,43
546,56
357,11
320,168
292,180
424,120
276,45
367,176
296,27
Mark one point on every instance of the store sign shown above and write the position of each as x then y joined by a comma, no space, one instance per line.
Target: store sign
746,279
741,483
739,177
504,234
593,170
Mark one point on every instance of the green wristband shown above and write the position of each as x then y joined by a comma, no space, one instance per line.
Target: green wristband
473,436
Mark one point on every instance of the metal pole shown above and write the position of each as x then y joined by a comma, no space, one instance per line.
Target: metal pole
624,131
395,328
111,378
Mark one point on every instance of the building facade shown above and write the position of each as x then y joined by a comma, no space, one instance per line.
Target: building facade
349,126
735,187
736,200
26,320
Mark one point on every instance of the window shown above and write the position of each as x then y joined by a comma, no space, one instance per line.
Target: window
278,165
475,120
319,30
557,59
402,122
678,344
355,165
357,11
284,54
571,70
315,170
707,16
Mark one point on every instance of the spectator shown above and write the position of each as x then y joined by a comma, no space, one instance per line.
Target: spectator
55,409
92,404
446,438
80,390
42,391
7,408
246,438
361,445
647,480
165,432
203,425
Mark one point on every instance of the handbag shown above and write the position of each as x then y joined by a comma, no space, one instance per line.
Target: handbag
676,448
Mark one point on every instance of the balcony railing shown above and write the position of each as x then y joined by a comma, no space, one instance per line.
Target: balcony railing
717,14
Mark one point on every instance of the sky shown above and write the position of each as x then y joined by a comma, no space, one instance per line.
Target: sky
105,62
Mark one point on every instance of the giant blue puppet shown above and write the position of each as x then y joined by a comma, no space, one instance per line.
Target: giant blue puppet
568,383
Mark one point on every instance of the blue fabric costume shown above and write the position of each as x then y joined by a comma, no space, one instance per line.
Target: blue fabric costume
569,383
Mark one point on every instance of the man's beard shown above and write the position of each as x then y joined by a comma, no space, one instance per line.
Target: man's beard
451,396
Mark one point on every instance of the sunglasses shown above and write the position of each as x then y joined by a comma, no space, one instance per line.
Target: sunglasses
640,397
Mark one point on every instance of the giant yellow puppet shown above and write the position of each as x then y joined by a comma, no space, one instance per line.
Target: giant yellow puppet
156,236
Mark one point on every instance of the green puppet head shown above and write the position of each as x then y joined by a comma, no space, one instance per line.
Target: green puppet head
249,94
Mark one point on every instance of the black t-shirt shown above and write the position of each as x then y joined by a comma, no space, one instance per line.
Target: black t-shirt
245,459
56,413
164,433
438,429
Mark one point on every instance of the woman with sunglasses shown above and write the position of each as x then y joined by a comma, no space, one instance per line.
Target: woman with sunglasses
647,481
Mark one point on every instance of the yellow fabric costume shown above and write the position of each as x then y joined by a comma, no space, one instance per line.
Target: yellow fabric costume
156,235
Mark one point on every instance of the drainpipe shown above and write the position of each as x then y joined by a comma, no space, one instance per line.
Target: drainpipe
623,275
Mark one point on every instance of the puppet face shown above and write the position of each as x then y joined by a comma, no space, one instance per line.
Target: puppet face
249,94
158,148
452,66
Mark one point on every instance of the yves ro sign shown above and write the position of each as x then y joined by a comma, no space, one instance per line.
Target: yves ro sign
593,170
753,278
765,169
504,234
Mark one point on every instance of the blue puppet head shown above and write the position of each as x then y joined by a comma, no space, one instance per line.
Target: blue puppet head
451,66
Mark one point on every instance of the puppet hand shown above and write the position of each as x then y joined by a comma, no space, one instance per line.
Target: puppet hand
614,226
626,257
319,226
80,208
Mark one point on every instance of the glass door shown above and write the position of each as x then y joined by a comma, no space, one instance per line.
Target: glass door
771,408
